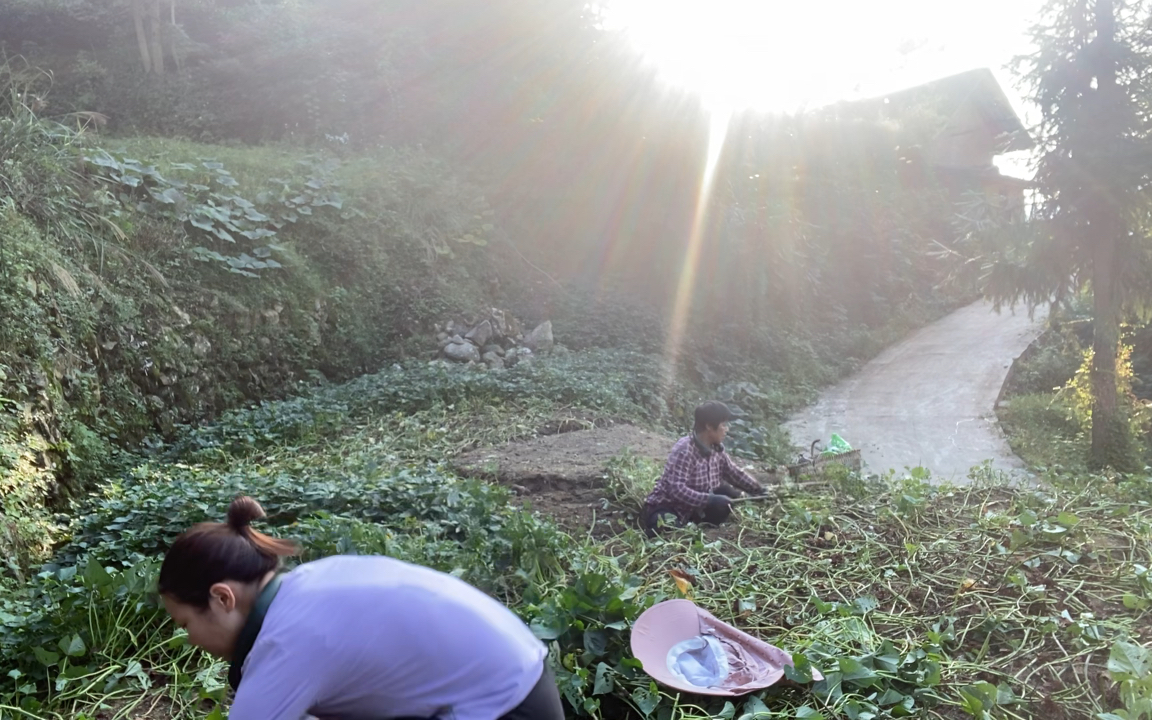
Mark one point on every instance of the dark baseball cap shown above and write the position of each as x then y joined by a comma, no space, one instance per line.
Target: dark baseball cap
712,413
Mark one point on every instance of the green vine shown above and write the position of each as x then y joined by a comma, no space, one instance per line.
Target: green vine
226,227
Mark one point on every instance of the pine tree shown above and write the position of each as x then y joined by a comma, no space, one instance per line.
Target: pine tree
1088,78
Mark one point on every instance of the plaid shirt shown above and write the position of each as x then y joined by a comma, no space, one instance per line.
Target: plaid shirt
691,474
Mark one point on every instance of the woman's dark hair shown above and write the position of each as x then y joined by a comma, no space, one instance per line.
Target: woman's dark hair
210,553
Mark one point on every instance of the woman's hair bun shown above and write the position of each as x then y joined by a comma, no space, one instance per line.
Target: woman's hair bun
242,512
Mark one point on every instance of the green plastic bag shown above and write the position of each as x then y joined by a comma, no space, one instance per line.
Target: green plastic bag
836,446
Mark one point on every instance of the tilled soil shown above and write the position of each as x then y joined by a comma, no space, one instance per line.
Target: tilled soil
563,475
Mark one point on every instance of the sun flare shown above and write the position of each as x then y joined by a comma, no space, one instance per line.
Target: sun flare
778,56
771,56
717,134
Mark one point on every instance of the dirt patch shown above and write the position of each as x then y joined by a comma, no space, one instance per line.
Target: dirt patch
563,475
578,457
151,705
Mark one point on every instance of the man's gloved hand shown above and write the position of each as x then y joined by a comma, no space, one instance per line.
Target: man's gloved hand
717,509
718,503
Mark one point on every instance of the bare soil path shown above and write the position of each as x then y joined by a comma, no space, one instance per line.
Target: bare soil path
930,399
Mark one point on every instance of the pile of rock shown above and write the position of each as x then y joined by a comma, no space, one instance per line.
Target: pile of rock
496,340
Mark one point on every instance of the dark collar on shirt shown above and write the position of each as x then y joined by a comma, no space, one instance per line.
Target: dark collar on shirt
247,637
704,449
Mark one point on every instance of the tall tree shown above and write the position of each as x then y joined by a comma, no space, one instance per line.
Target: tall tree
1089,80
156,32
138,19
150,32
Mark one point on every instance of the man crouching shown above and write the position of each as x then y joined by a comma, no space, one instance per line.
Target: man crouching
697,484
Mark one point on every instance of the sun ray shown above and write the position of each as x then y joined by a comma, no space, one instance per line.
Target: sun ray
685,288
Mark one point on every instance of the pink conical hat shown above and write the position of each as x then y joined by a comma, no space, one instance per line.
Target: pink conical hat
675,640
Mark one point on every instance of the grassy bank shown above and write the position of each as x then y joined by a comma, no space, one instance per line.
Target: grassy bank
1046,411
148,284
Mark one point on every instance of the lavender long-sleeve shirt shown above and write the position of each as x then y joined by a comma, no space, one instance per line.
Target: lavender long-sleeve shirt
364,638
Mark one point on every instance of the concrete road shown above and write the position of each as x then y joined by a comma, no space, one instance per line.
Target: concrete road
929,400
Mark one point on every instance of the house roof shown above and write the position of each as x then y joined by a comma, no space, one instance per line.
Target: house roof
978,88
